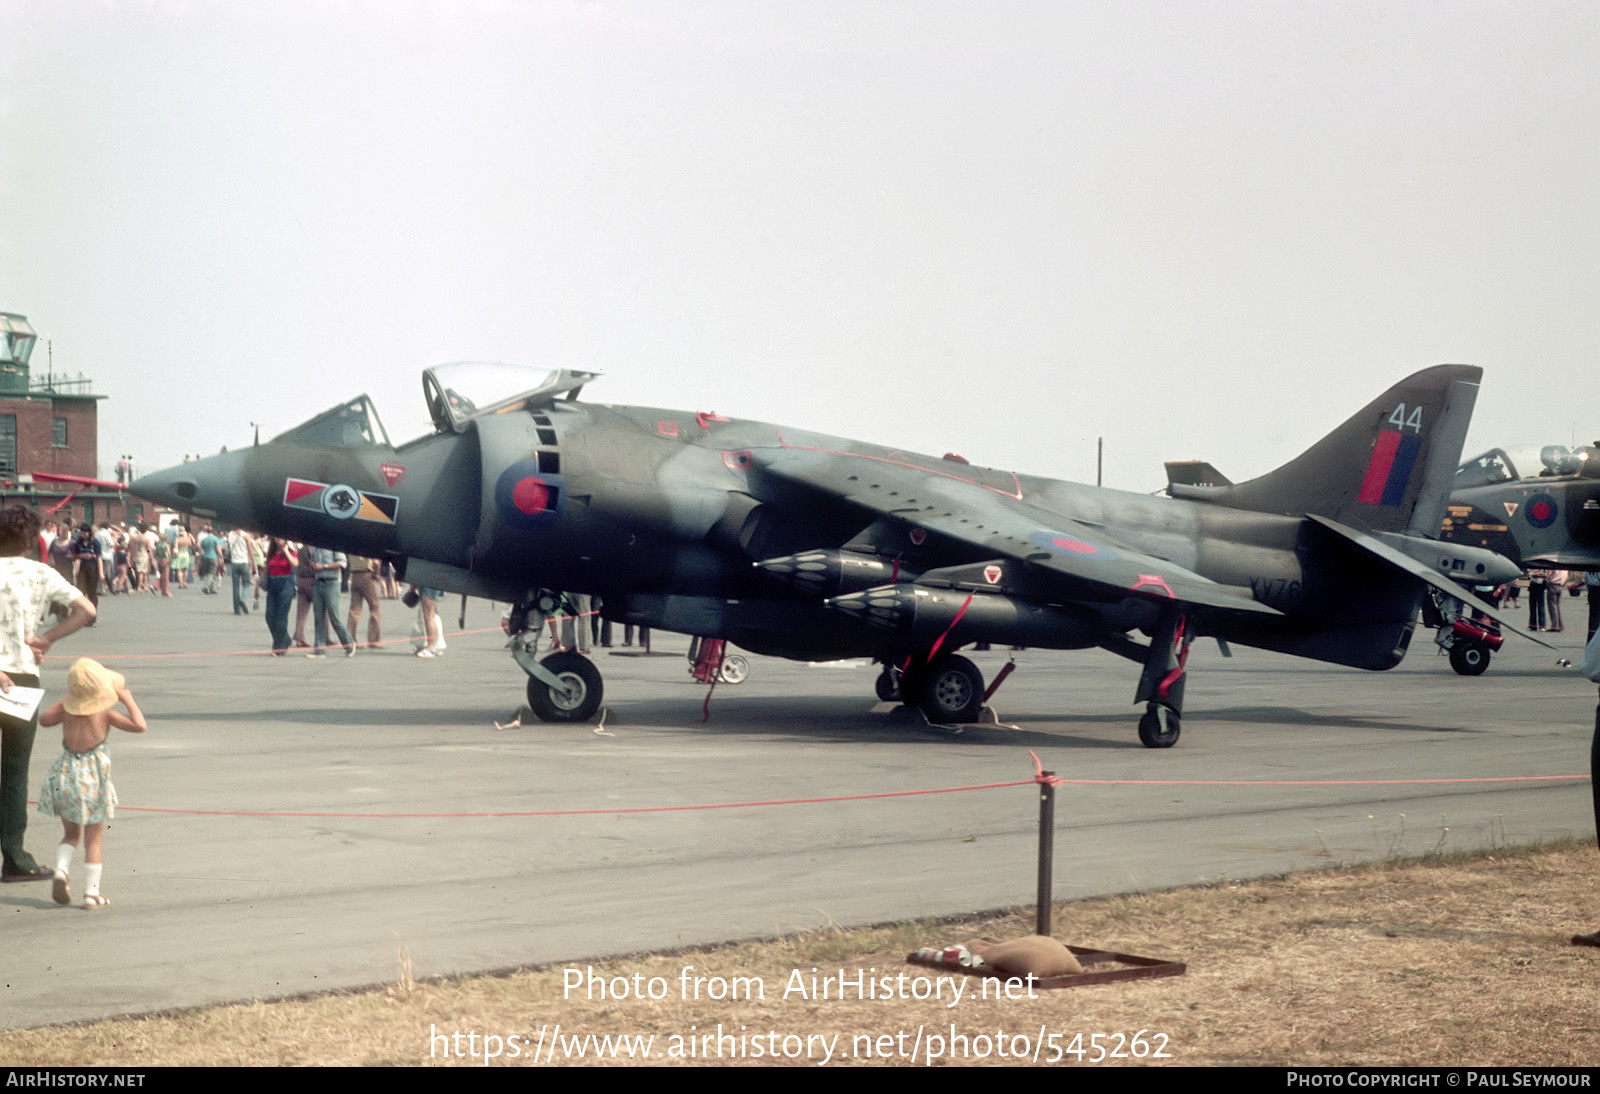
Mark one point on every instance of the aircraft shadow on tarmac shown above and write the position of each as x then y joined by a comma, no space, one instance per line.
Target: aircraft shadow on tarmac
819,718
1278,716
1421,667
845,721
1554,672
1288,716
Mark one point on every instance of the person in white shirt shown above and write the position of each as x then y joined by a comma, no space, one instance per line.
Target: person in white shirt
238,550
28,590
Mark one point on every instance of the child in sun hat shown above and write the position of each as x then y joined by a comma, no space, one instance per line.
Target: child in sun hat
78,789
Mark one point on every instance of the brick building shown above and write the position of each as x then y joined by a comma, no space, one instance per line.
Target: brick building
49,424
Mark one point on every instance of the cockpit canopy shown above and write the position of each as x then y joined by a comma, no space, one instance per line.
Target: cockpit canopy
456,393
348,425
1528,462
459,392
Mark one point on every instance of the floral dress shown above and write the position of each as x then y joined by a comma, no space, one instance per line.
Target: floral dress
78,788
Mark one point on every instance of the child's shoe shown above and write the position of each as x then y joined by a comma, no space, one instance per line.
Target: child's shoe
58,888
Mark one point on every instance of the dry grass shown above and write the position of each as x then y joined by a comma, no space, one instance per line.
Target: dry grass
1462,961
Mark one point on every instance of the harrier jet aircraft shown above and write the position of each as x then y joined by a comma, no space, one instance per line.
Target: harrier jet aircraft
813,547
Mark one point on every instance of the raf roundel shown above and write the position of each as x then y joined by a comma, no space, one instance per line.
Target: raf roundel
528,499
1540,510
531,496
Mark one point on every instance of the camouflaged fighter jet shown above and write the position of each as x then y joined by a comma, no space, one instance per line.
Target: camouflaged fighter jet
1538,506
813,547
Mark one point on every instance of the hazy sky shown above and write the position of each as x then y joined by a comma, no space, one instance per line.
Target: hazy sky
1205,230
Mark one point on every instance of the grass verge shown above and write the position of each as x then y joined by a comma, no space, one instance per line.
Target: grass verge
1453,960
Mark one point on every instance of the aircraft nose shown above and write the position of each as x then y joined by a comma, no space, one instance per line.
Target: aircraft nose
175,487
210,487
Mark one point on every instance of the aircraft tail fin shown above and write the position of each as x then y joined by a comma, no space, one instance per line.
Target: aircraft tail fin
1388,468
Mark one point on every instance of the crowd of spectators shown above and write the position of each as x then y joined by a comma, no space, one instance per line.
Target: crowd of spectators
129,559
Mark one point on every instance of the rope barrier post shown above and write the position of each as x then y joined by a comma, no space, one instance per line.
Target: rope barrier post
1047,828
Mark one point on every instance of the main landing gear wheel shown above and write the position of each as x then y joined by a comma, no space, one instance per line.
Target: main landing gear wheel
1469,658
1159,727
585,689
952,691
734,669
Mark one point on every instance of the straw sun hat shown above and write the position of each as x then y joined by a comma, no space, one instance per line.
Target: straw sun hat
91,687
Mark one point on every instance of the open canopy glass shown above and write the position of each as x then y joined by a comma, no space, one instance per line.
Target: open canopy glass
459,392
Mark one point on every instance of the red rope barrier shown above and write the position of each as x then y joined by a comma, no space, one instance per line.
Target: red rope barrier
1039,779
578,812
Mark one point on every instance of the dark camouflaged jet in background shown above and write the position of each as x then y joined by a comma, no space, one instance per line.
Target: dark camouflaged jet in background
1537,505
813,547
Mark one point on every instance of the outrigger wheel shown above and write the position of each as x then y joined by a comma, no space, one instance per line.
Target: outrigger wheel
580,700
1469,658
1159,727
734,669
952,690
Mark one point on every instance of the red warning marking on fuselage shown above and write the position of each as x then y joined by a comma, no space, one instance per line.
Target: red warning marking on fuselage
391,472
1154,581
530,496
667,429
991,574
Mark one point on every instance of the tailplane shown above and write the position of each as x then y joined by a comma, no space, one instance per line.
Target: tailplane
1388,468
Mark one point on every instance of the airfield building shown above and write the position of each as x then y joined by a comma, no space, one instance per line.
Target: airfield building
50,424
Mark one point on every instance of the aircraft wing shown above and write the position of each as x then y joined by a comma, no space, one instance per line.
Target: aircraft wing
1087,562
73,480
1564,559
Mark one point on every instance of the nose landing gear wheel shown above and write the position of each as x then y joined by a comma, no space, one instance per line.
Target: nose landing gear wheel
734,669
584,691
1159,727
